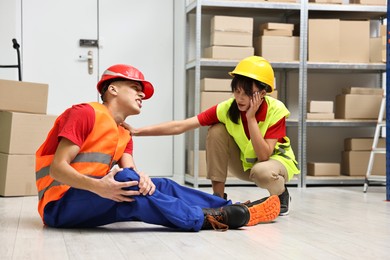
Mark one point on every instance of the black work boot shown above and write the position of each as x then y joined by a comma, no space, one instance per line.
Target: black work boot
221,219
284,203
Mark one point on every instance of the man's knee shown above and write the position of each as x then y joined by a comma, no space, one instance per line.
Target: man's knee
127,174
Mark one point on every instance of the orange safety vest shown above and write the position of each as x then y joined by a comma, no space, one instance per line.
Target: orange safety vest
101,150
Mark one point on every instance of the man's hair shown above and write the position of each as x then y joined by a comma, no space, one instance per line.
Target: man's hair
246,84
108,83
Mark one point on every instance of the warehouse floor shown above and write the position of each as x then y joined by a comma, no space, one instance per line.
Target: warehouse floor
324,223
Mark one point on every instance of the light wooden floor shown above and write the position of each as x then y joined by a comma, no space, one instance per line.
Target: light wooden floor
324,223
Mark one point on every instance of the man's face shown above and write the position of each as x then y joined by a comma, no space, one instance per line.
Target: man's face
130,95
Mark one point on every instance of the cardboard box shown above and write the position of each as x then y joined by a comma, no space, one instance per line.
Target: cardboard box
277,26
211,84
314,106
229,53
355,163
369,2
355,41
267,32
363,91
324,40
202,167
222,38
277,48
209,99
323,169
23,133
326,1
383,31
353,106
22,96
362,143
232,24
376,49
17,175
320,116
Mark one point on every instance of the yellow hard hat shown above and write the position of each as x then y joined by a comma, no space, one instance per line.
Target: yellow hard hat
257,68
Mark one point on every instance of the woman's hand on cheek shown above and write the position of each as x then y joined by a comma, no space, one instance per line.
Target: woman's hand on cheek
254,104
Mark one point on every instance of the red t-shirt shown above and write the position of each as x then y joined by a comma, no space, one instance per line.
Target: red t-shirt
276,131
75,124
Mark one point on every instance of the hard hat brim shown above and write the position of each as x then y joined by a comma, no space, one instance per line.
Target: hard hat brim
148,89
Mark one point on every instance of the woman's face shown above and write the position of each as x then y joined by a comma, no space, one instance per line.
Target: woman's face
242,99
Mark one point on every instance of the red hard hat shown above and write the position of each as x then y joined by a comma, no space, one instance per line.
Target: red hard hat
123,71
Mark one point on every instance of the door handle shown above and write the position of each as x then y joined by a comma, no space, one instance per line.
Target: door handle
89,59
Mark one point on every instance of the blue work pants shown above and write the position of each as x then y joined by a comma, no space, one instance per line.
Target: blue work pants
171,205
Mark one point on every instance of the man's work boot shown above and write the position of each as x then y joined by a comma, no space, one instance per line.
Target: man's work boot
221,219
263,210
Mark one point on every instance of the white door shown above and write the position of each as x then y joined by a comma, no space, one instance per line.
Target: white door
51,53
140,33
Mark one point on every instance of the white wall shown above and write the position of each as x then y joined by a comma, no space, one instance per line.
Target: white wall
10,28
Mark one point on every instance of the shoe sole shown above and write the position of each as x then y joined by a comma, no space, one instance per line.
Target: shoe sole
284,213
264,212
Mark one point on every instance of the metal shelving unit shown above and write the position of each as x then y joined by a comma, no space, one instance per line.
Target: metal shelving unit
300,11
349,11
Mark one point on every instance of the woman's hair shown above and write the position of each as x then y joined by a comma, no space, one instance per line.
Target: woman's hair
245,84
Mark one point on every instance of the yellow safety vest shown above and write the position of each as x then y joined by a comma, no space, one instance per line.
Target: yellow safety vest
282,152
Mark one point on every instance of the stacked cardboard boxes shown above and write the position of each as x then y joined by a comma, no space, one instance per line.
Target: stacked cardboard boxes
335,40
356,155
368,100
231,38
378,46
24,125
320,110
277,43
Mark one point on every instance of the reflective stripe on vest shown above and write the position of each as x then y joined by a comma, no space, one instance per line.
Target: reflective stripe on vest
276,110
86,157
95,157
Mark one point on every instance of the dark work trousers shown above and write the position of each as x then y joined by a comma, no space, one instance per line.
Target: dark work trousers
171,205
